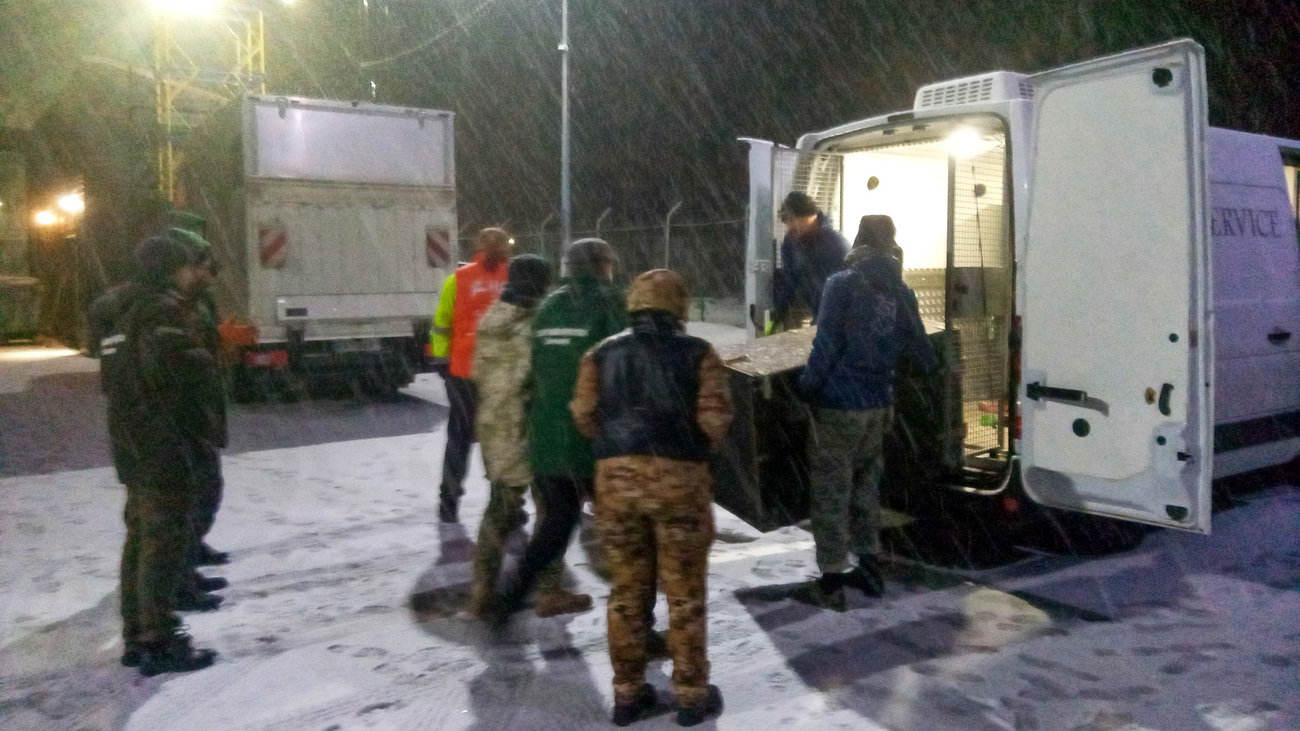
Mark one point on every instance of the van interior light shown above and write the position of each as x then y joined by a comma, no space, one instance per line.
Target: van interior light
46,218
72,203
966,142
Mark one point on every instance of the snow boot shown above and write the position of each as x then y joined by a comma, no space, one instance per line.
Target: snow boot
131,653
173,655
636,709
866,577
208,556
194,601
448,506
829,591
204,584
656,646
708,708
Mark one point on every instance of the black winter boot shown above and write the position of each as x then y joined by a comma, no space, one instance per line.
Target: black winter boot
704,710
205,584
638,708
195,601
866,577
131,653
173,655
448,502
208,556
830,591
656,645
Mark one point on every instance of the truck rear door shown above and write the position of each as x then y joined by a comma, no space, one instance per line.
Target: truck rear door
1116,396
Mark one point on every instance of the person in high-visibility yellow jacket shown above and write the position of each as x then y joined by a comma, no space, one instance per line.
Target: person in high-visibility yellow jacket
440,333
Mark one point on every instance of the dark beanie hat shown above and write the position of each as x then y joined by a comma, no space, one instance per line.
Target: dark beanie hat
528,279
157,259
588,255
798,204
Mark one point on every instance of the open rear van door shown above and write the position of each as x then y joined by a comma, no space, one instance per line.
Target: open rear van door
1116,393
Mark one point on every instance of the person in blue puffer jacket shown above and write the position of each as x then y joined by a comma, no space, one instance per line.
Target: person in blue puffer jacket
867,321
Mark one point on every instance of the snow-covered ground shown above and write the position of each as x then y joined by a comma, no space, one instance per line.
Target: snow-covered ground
342,614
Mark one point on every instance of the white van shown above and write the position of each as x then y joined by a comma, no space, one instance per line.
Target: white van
1117,284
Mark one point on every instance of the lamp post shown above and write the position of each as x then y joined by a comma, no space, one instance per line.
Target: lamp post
668,232
566,217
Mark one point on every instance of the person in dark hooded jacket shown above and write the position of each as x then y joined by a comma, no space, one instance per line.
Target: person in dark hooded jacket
165,402
876,233
811,252
868,320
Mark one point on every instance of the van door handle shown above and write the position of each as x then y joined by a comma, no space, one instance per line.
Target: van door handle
1277,337
1166,391
1038,391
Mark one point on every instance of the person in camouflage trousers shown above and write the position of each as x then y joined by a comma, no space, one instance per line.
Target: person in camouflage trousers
501,368
105,316
655,402
165,403
868,321
208,465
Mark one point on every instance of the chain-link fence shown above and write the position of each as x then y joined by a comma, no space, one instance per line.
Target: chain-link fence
709,254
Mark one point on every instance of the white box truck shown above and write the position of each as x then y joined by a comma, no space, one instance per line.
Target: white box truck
1115,286
334,224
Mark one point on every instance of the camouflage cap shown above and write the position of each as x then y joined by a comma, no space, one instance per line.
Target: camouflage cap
659,289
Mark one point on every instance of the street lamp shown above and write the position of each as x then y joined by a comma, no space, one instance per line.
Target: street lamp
185,7
72,203
566,213
46,218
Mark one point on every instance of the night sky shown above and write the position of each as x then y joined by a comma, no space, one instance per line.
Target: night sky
661,89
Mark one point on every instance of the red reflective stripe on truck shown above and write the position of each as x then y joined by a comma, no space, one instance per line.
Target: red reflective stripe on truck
437,247
274,246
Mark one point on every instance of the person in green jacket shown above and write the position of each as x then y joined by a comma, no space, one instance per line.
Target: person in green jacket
584,310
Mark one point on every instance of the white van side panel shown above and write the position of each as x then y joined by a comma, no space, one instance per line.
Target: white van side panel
1256,277
1257,301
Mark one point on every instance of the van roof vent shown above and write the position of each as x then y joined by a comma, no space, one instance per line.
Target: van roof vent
995,86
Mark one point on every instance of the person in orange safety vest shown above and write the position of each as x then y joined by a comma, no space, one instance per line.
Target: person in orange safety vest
466,295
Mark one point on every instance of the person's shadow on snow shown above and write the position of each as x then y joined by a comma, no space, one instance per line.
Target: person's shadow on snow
513,690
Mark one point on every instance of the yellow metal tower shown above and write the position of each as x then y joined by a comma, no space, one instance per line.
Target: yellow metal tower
195,72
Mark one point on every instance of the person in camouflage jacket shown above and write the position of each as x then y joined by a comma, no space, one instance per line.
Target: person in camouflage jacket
655,401
165,403
585,309
501,369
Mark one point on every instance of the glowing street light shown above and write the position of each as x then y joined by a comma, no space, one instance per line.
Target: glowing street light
185,7
72,203
46,218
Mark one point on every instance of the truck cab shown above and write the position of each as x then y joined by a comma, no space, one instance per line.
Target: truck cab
1060,234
